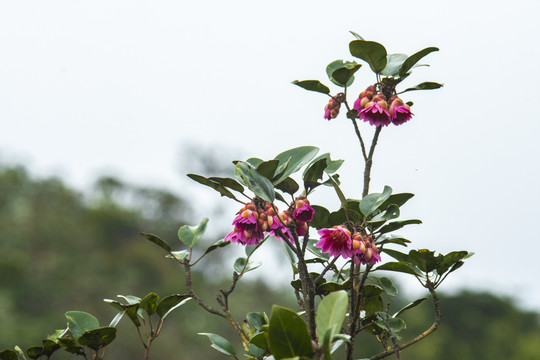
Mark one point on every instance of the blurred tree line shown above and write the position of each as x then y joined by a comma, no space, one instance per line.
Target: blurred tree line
61,250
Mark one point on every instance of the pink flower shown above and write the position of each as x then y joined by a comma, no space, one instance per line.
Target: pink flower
331,110
375,114
336,241
245,237
364,250
303,212
400,114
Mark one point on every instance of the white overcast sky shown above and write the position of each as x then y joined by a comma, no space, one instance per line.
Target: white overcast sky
117,86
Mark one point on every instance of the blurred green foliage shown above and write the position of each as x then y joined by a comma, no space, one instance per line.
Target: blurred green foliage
61,250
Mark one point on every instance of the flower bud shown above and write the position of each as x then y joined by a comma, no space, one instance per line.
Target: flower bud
246,214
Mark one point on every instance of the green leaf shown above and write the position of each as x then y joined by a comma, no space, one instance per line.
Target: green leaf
388,286
393,64
117,319
20,353
288,335
212,184
327,342
199,231
397,267
98,338
413,59
341,72
428,85
169,303
290,161
450,260
227,182
291,256
371,52
261,186
371,299
339,193
69,345
33,352
178,255
409,306
259,340
390,239
396,325
331,312
49,347
80,321
396,199
320,217
395,225
186,235
372,202
358,37
288,185
397,255
256,319
216,245
313,173
330,287
268,168
312,85
157,240
8,355
392,212
241,265
425,259
221,344
149,303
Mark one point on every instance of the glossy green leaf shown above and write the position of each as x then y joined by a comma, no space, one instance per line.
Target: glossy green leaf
290,161
341,72
371,52
393,64
268,168
199,231
186,235
396,325
98,338
331,312
288,335
221,344
358,37
261,186
372,202
320,217
413,59
259,340
339,193
312,85
117,319
149,303
212,184
327,342
392,212
241,265
218,244
34,352
178,255
449,260
20,353
314,172
256,319
157,240
388,286
69,345
8,355
170,303
291,256
425,259
288,185
409,306
395,225
394,240
371,301
396,199
331,286
428,85
397,267
227,182
49,347
397,255
80,321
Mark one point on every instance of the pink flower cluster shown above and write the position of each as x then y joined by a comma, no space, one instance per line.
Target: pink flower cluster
252,222
374,108
337,241
331,110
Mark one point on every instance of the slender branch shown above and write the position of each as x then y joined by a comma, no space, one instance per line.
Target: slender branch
194,295
390,332
357,131
328,267
369,161
431,329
